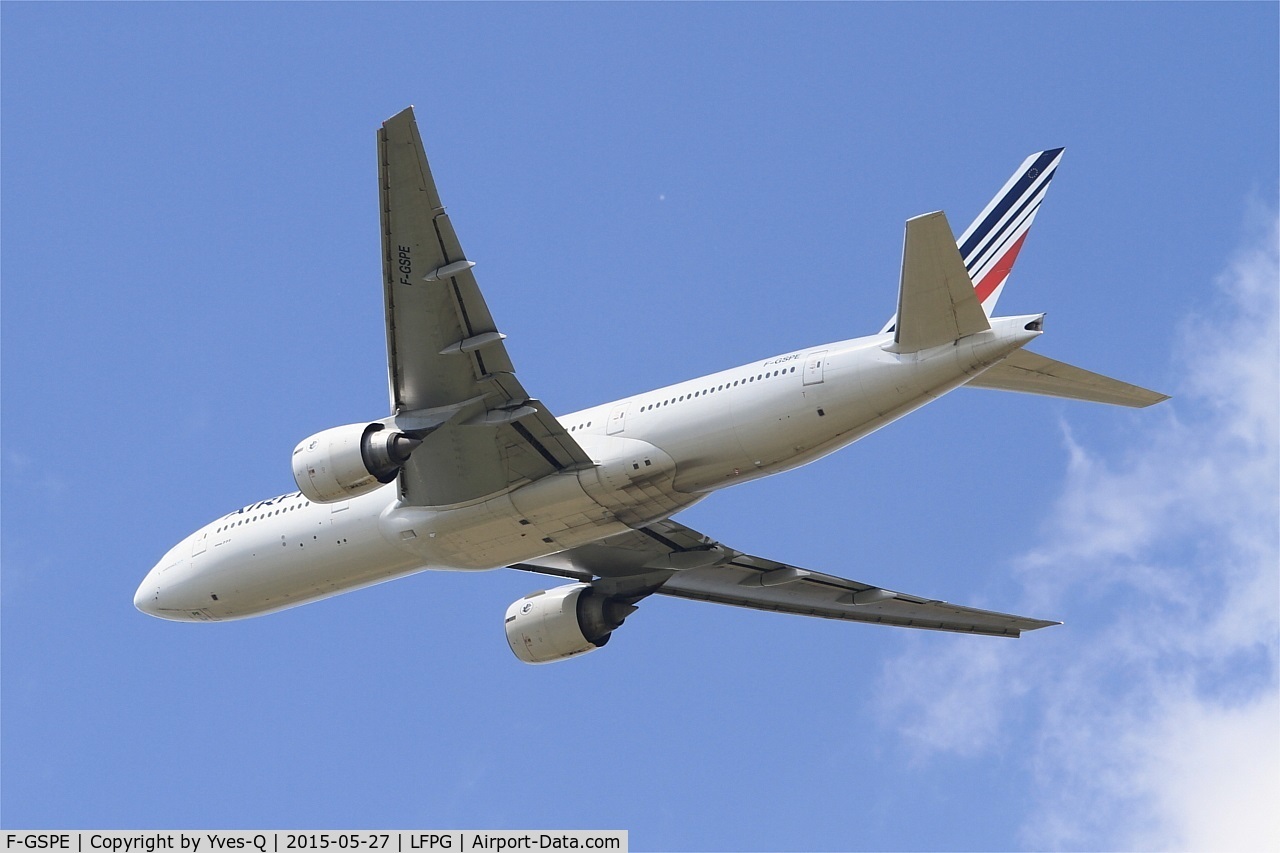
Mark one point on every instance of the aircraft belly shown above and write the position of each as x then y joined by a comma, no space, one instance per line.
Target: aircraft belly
264,564
864,389
705,447
543,517
789,427
890,385
633,479
292,578
781,430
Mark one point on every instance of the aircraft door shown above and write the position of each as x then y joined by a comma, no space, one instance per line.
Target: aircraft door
814,366
617,420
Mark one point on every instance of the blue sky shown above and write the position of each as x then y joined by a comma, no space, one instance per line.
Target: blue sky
652,192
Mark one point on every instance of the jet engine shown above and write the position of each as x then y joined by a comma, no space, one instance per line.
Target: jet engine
348,461
557,624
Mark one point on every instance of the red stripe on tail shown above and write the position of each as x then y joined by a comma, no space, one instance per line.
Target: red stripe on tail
998,273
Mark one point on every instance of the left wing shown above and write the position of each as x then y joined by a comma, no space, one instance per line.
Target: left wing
670,559
448,369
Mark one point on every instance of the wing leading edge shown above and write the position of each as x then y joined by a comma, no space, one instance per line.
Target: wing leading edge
669,558
448,369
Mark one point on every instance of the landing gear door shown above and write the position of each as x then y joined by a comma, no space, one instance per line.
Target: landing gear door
617,420
814,366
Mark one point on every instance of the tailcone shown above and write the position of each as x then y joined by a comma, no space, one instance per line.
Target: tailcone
1019,330
1007,335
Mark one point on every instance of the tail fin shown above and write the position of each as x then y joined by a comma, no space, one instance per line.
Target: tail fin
991,243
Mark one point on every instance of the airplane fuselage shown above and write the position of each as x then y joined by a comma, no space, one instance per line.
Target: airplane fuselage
653,453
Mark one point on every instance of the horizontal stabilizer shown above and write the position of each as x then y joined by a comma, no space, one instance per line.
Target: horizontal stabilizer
1034,374
936,301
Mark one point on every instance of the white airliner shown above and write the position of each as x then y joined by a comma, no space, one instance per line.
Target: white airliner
470,472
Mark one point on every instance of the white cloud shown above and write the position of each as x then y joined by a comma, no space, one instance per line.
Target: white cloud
1211,776
1158,721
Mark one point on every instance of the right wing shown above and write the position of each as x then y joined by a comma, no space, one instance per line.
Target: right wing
1034,374
448,370
669,558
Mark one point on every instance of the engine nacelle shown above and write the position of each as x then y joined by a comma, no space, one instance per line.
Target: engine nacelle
348,461
561,623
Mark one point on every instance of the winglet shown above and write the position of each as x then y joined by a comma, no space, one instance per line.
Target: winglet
936,301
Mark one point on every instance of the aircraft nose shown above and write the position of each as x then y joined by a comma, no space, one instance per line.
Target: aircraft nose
169,593
147,598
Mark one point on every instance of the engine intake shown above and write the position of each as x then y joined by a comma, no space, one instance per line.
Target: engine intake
348,461
562,623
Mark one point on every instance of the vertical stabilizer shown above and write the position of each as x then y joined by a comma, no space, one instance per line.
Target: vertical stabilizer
991,243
